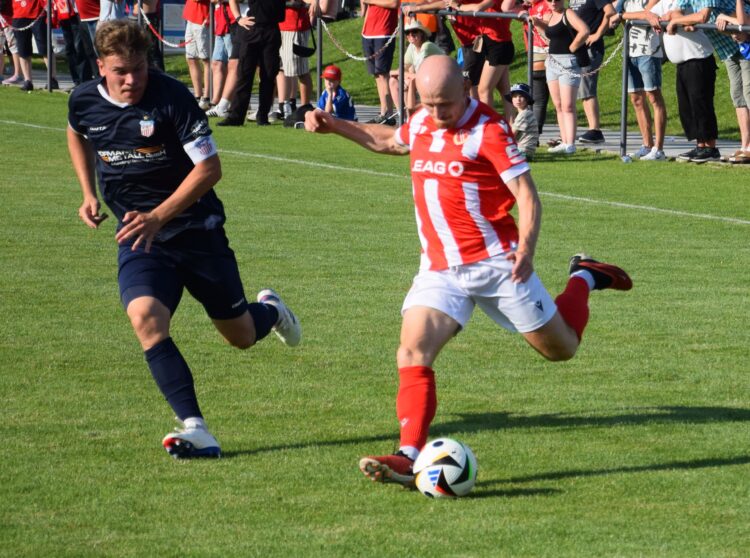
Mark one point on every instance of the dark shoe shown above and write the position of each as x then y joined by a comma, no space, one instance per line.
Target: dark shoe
230,122
391,120
606,276
706,154
591,136
27,86
263,123
377,120
54,85
275,116
688,154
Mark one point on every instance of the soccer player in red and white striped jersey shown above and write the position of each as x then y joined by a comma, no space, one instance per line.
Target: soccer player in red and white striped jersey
467,173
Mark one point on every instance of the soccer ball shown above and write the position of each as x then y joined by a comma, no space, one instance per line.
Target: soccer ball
445,469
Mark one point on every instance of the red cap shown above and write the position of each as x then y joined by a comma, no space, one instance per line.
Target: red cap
332,72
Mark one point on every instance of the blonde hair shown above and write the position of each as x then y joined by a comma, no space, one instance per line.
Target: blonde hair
121,37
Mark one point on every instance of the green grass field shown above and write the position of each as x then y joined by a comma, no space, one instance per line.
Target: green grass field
640,446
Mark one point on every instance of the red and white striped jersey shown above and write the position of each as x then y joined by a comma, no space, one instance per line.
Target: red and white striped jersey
458,181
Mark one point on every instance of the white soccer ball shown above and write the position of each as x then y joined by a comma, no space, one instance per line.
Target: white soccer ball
445,468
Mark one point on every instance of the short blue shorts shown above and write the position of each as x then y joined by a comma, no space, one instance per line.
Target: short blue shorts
197,260
644,73
380,64
222,48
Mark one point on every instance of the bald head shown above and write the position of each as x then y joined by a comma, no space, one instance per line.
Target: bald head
441,89
440,75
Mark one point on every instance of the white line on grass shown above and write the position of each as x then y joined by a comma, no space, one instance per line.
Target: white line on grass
578,199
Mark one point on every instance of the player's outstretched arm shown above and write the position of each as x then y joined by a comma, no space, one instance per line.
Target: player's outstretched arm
375,137
529,222
144,225
83,158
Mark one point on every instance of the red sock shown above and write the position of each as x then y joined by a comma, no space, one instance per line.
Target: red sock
415,404
573,304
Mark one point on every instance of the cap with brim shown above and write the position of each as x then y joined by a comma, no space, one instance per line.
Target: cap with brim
332,72
521,88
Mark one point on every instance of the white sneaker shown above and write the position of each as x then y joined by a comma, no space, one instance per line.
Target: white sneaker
569,149
642,152
287,328
186,443
559,148
251,116
215,111
654,155
204,103
13,80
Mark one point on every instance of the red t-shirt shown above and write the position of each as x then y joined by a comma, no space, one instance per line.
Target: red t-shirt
466,29
497,29
296,19
380,22
88,9
459,180
28,8
196,11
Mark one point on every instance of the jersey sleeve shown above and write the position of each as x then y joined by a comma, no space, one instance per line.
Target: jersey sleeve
73,115
191,124
500,148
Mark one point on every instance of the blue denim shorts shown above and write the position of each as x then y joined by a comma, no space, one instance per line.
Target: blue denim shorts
644,73
559,68
222,48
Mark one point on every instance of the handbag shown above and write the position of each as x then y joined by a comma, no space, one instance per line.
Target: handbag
303,51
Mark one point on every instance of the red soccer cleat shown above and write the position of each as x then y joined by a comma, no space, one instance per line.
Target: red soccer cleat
606,276
388,468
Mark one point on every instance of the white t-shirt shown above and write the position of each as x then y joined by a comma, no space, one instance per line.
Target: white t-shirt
414,57
642,41
683,46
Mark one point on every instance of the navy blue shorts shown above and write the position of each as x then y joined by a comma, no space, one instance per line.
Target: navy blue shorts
200,261
380,64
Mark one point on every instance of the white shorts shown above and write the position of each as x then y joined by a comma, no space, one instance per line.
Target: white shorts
8,37
198,37
521,307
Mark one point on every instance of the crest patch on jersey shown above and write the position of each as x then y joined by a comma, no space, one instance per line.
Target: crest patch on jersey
148,126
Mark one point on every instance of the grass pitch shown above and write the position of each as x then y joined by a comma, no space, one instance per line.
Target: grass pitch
637,447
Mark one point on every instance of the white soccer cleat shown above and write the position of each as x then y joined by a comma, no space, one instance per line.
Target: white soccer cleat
187,443
287,328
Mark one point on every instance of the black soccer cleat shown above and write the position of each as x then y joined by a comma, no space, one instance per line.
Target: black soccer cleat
606,276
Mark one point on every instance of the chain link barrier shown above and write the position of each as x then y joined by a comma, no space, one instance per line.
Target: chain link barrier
354,56
29,26
558,67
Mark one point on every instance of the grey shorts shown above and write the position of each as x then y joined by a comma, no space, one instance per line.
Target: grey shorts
560,67
292,64
738,70
589,83
197,36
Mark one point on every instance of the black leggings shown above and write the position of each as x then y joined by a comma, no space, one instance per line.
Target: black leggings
541,97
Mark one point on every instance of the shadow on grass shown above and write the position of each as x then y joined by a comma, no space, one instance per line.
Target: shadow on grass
670,466
479,492
480,422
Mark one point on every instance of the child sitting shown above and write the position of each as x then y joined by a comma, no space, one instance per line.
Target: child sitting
335,99
525,126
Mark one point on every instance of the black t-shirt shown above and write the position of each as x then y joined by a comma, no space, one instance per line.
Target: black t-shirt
267,12
592,13
141,155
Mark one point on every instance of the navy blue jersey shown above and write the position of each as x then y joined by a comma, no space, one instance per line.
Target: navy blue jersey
145,151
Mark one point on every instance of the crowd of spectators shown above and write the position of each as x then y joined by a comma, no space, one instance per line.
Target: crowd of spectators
272,38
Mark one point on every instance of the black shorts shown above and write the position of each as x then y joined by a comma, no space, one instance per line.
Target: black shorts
23,38
473,63
498,53
198,260
380,64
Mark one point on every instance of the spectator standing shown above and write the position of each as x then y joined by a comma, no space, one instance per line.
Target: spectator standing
110,10
225,48
707,11
70,25
197,37
644,77
595,14
30,20
567,34
7,38
740,17
221,54
152,15
525,127
539,51
295,29
335,99
380,23
419,48
256,43
695,77
170,231
88,14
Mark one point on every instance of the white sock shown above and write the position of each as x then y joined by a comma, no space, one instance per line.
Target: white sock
586,276
194,422
409,451
223,104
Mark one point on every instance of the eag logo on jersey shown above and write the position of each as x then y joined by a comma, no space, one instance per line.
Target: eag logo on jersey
453,168
148,126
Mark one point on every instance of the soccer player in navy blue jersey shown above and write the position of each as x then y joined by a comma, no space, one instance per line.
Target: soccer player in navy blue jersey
156,163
